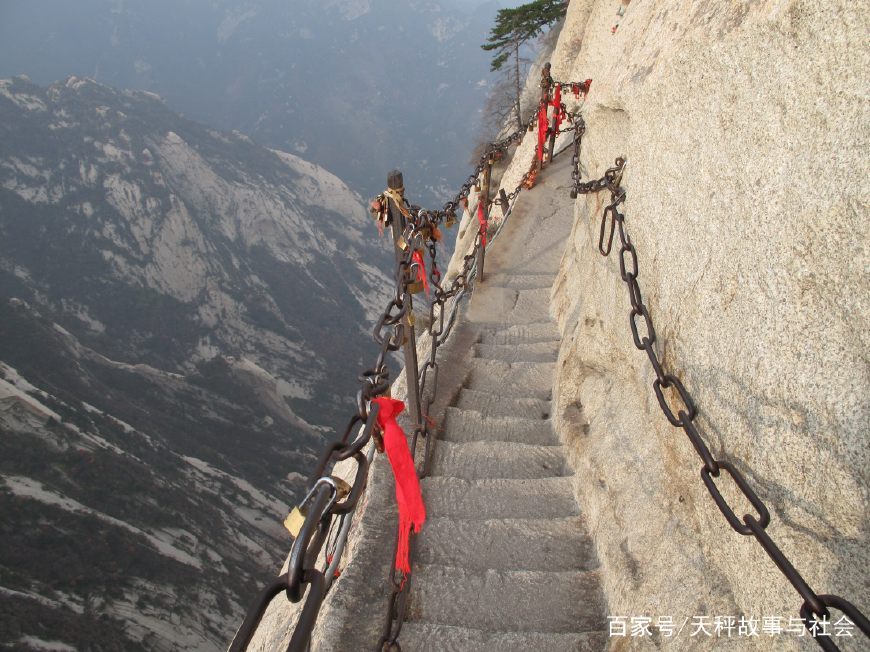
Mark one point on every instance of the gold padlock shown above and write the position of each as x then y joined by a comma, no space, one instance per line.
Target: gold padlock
412,319
342,487
401,243
294,521
415,287
450,220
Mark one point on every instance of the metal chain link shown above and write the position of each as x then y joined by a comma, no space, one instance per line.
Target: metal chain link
682,414
323,503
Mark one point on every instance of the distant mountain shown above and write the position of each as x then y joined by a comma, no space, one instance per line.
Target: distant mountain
182,315
357,86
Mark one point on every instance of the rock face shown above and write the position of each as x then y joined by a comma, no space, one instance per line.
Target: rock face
745,127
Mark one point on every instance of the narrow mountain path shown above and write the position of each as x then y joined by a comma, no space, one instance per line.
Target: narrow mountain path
504,561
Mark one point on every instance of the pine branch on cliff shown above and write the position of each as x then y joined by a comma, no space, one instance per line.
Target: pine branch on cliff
513,28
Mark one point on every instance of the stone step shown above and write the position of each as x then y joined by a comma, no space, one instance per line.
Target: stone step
470,425
532,352
500,333
523,379
496,405
483,459
511,305
499,497
507,601
521,281
508,544
427,637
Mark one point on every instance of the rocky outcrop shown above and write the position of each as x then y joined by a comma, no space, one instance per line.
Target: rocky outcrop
171,299
745,130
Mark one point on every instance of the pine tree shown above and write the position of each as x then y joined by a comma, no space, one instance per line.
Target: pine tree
513,27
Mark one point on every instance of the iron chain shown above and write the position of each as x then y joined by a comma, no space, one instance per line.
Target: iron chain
814,606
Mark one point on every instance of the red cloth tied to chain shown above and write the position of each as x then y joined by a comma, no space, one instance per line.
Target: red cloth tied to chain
484,225
421,270
542,129
409,498
557,105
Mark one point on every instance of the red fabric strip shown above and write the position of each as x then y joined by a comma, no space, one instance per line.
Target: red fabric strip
483,222
421,270
542,129
557,106
409,498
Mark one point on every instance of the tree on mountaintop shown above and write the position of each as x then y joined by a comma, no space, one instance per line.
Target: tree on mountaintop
513,28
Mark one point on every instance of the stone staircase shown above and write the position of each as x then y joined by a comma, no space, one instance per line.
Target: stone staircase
504,561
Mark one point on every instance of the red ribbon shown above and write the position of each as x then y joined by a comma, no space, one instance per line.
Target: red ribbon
409,498
557,106
483,223
586,86
542,129
421,270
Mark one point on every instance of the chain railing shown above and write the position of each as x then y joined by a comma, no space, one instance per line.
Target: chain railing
815,610
331,500
472,270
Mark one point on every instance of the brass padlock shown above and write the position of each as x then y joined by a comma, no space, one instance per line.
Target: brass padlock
412,319
342,488
401,243
415,287
450,220
295,520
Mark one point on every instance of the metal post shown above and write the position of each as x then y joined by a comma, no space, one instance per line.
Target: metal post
503,200
546,83
552,144
483,196
395,182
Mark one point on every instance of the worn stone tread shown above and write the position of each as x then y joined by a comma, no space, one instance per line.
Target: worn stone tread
499,497
521,281
546,351
495,405
507,600
524,379
481,459
516,305
500,333
508,544
470,425
428,637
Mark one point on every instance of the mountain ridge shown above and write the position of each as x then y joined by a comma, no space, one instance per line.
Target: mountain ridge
175,305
